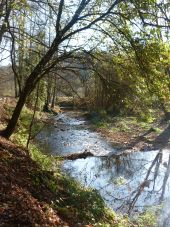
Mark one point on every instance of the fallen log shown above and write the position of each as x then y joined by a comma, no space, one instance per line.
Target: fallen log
75,156
86,154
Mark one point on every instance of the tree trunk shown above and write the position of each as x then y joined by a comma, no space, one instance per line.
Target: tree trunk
33,117
4,24
48,96
16,88
54,93
29,86
15,116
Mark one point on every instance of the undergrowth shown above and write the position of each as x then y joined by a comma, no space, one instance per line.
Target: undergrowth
122,123
73,202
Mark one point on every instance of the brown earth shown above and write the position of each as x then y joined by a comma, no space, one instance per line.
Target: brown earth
4,102
136,138
25,203
139,139
22,202
25,198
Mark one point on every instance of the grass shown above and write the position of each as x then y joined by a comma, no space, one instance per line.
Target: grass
73,201
122,123
85,206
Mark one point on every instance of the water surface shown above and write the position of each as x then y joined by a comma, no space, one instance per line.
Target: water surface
128,184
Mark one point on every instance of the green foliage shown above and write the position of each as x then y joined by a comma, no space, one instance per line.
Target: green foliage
73,201
24,123
132,82
156,129
147,118
87,200
119,181
99,119
149,219
122,123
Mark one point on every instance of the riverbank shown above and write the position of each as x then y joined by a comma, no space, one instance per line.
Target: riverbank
36,192
132,133
25,199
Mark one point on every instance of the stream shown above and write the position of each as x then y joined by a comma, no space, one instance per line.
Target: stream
129,184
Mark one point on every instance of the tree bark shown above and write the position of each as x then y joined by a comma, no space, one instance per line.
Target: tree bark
16,88
42,67
3,28
15,116
33,117
54,93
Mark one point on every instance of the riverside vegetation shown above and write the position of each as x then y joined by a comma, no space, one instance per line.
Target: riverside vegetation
109,58
68,199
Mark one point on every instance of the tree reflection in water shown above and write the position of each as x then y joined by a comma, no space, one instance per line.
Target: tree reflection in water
127,182
145,177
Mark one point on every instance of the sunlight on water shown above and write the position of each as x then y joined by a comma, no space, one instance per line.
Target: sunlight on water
129,183
118,180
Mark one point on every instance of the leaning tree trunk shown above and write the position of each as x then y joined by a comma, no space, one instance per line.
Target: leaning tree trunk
30,84
29,87
15,116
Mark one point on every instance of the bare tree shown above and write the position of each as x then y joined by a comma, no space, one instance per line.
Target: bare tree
85,12
67,20
5,11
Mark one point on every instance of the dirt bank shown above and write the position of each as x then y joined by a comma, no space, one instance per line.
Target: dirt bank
23,202
34,192
130,133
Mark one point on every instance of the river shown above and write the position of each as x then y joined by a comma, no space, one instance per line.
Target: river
130,183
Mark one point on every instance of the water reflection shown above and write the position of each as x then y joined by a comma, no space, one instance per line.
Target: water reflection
72,136
128,183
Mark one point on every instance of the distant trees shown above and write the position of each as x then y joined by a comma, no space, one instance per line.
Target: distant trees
131,76
82,16
49,32
123,83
